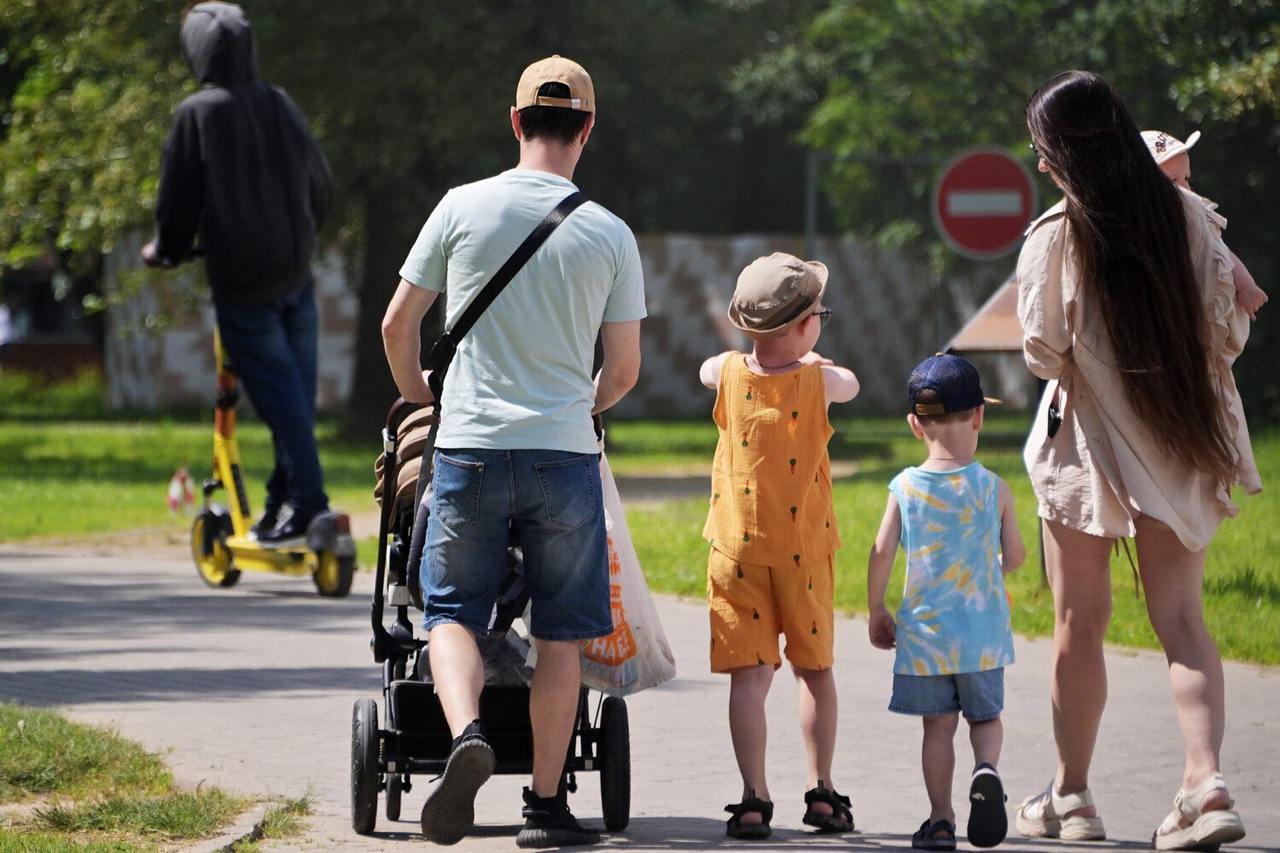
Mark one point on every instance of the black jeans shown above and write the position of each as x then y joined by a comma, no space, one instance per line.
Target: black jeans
273,351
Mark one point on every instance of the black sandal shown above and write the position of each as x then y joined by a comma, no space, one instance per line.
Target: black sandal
926,838
735,828
841,817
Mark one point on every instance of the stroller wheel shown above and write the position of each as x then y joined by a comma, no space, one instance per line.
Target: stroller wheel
615,775
364,766
209,550
394,787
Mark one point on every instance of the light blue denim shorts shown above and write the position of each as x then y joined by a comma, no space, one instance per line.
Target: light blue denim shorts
553,503
978,695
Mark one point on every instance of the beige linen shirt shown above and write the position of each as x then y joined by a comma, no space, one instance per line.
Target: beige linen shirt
1104,468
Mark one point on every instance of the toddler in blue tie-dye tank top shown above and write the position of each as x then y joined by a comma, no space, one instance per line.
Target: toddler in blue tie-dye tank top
955,522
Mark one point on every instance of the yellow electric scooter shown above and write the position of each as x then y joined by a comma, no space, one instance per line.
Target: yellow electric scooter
220,540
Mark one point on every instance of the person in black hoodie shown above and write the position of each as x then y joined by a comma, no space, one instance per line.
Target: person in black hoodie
241,169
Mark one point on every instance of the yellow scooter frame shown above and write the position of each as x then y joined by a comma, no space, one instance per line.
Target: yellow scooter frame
221,543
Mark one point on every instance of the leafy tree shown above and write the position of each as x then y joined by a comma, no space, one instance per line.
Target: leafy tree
900,86
408,98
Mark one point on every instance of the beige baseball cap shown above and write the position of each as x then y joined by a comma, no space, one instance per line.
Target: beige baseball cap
1165,147
556,69
775,292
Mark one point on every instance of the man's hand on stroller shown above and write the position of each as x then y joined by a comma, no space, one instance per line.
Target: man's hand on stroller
429,397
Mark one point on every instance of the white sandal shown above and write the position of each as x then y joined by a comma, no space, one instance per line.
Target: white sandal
1041,816
1189,828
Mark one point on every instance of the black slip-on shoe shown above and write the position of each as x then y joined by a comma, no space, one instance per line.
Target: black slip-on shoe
548,823
450,811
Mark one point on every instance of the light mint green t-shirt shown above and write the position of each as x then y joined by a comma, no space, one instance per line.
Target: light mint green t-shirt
521,379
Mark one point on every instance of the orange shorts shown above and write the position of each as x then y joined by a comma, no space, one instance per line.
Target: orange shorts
751,605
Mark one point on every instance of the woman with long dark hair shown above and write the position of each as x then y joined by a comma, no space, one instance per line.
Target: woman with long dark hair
1126,301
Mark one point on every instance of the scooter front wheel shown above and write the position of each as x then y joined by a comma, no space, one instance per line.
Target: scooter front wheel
209,550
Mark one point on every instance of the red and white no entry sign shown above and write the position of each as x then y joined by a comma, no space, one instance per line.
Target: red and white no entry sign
983,201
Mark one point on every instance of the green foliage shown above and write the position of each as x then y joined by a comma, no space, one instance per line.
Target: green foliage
90,87
42,753
901,86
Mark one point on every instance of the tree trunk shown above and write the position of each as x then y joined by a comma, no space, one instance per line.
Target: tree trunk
388,234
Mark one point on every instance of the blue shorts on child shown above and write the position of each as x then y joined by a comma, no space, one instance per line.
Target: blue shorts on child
979,695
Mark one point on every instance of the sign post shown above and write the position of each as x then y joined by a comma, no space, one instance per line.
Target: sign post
982,203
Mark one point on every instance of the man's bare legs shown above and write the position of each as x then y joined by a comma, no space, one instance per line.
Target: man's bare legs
553,706
458,672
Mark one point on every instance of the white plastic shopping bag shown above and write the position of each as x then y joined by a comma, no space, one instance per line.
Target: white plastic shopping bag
636,655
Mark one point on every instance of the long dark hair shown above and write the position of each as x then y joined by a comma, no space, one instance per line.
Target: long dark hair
1130,246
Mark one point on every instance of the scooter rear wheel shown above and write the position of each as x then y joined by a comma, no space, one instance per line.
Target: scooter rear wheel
209,550
334,574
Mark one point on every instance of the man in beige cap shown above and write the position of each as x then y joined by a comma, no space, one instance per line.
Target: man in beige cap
1171,155
772,529
516,447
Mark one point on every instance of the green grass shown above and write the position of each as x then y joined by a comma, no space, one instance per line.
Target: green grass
43,753
172,815
95,790
70,469
282,820
1242,588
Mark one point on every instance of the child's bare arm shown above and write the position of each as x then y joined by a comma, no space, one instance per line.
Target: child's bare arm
709,373
879,565
839,382
1248,294
1012,551
842,386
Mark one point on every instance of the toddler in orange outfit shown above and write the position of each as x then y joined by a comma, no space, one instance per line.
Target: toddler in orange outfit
772,528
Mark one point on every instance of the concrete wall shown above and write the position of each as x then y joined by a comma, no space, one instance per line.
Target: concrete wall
889,314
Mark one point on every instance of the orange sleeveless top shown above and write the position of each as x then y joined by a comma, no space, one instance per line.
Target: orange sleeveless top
771,480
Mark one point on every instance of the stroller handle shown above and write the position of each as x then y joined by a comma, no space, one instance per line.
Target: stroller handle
400,410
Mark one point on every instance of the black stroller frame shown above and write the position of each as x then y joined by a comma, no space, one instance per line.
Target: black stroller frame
413,737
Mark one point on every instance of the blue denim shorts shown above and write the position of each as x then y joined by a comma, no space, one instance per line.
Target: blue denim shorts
980,695
553,503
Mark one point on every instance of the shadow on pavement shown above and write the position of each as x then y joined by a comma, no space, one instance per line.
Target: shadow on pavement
71,687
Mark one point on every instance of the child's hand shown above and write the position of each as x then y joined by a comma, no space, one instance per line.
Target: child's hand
881,627
1250,297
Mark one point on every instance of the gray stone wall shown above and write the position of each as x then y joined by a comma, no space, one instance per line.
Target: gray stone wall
890,312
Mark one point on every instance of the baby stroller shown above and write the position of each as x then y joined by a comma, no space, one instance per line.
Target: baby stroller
412,737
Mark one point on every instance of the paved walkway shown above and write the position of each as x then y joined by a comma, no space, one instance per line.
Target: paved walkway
251,689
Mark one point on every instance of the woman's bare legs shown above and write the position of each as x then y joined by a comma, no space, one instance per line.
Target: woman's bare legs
1172,578
1079,569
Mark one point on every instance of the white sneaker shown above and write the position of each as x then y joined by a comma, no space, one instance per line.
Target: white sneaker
1189,828
1041,816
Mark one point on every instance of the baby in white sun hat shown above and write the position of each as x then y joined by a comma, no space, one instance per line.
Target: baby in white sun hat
1171,156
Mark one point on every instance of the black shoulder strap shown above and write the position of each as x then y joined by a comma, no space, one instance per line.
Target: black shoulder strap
444,349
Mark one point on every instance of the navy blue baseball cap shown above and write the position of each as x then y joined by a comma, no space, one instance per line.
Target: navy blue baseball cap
954,384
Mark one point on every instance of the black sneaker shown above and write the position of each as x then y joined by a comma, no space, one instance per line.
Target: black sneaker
548,823
290,529
450,811
266,524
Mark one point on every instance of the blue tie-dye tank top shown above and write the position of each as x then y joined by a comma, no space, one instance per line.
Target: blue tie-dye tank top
954,615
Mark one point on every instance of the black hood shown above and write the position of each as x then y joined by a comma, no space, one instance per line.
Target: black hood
218,43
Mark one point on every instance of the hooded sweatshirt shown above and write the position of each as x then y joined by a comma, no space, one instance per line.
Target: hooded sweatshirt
240,167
